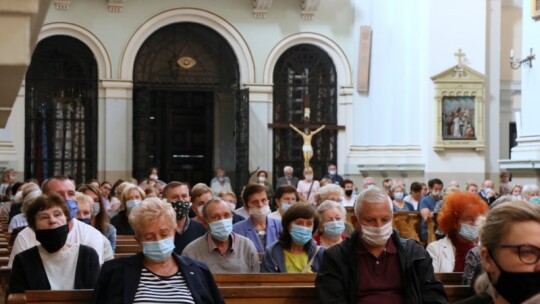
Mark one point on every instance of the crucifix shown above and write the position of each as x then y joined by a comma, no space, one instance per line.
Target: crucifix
459,54
307,134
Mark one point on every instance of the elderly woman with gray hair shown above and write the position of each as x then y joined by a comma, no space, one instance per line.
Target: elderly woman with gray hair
29,196
531,193
157,274
331,225
334,193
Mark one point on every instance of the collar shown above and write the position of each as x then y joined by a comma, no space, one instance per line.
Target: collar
213,247
186,226
362,250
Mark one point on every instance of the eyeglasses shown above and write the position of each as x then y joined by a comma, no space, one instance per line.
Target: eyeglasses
528,254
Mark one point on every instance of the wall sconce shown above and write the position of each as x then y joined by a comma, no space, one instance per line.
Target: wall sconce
516,63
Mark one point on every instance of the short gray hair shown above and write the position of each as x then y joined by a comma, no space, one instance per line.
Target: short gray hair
330,188
288,168
528,189
371,196
151,209
212,201
328,204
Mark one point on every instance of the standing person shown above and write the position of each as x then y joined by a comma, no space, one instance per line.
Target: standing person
296,251
510,253
286,197
79,233
349,197
308,187
332,175
398,203
505,186
258,227
222,250
403,271
428,203
136,279
54,264
262,179
177,194
415,195
287,178
488,193
220,182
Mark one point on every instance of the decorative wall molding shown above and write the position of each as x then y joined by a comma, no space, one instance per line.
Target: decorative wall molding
115,6
260,8
384,159
309,8
62,5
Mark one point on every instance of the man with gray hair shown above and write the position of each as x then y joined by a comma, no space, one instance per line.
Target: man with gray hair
369,182
288,178
394,270
531,193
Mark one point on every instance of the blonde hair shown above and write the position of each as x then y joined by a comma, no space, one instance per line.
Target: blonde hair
498,222
150,210
126,191
324,191
200,189
83,198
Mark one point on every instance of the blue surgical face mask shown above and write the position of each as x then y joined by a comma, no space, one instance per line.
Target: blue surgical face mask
72,206
285,206
221,229
334,229
132,203
300,234
398,196
535,200
85,220
468,232
158,251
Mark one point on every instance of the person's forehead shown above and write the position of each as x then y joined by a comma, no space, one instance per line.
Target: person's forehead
82,204
217,208
372,209
331,167
61,185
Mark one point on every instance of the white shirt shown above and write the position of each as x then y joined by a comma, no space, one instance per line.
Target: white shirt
442,253
348,203
81,233
17,221
275,215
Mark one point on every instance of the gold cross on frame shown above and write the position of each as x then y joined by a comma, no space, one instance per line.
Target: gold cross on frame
459,54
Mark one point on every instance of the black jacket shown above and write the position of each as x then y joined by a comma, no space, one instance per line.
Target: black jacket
338,277
28,272
121,223
120,277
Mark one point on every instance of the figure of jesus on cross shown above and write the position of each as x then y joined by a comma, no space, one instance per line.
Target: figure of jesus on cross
307,149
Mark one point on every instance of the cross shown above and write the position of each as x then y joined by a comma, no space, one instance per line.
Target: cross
459,54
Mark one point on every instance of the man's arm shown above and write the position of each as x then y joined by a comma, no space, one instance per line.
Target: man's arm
425,213
330,283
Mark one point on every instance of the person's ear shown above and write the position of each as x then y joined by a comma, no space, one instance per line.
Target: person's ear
487,260
355,222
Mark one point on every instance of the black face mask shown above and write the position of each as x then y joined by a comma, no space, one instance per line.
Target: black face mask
181,208
53,239
516,287
348,192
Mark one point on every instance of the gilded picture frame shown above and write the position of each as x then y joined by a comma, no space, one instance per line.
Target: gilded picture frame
459,98
535,9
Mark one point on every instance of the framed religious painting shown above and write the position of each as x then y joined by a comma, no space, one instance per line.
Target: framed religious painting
459,110
535,9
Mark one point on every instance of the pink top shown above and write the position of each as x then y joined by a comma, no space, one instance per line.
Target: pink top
303,188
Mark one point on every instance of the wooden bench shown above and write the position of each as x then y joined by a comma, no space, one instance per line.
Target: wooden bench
127,249
265,279
231,295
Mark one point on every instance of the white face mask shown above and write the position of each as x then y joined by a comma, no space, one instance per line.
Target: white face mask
199,210
309,177
332,172
259,213
375,236
262,179
153,176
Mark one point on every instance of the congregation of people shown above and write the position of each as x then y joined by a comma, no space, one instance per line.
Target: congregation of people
64,237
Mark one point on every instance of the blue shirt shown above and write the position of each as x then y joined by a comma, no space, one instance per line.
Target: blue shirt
426,202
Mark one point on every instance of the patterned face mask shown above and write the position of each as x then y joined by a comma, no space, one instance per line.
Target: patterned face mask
181,208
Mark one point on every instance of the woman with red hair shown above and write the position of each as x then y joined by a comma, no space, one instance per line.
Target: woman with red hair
457,220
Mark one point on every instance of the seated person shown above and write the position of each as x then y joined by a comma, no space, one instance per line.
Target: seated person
258,227
295,251
222,250
131,196
135,279
458,221
54,264
230,198
332,226
285,197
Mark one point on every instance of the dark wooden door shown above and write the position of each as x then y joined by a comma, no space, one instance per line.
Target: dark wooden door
185,135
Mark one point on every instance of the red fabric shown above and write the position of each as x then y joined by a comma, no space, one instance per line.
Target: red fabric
317,238
381,280
462,248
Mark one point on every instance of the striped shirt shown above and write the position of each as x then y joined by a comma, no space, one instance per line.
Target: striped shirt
157,289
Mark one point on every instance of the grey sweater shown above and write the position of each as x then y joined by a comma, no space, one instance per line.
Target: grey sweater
241,258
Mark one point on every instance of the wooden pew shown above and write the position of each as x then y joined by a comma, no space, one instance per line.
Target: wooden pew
265,279
231,295
449,278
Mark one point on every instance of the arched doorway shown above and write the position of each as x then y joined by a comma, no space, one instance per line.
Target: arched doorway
304,74
185,95
61,110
